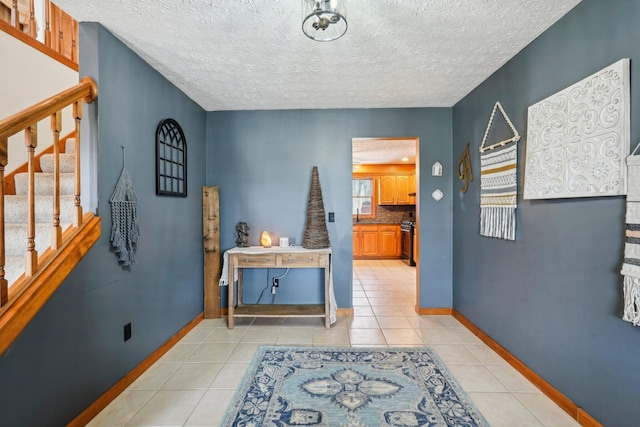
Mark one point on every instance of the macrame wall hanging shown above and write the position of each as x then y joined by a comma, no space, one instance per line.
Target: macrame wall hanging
125,229
498,183
631,263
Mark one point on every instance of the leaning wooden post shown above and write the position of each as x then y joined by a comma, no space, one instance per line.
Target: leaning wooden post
56,230
211,229
31,256
77,211
4,286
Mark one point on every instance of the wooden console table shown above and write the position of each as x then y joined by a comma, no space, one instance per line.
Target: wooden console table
277,257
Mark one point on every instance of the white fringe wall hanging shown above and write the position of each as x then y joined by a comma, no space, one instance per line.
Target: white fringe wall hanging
498,183
125,229
631,265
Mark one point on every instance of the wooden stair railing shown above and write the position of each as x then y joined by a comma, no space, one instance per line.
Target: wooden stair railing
60,31
26,121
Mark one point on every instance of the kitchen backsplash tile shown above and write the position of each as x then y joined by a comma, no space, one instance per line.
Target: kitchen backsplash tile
391,215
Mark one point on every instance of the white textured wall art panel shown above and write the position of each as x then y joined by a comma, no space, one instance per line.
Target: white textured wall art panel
578,139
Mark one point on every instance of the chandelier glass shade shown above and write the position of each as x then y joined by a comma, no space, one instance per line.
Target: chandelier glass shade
324,20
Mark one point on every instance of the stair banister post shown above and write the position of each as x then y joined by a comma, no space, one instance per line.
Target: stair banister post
31,256
77,212
15,15
47,23
56,230
32,20
4,286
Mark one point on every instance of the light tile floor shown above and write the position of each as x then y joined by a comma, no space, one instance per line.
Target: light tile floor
193,383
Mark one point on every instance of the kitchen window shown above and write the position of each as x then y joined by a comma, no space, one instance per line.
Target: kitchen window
363,205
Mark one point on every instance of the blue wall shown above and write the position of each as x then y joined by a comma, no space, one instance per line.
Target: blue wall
262,162
73,350
553,298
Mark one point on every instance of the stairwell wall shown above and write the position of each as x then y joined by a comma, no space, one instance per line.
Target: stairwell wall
73,350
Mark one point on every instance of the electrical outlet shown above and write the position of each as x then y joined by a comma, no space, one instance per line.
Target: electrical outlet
332,216
127,331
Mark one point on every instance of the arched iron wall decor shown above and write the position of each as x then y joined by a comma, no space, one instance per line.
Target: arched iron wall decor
171,159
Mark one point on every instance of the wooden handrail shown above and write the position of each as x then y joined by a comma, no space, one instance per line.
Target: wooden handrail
87,90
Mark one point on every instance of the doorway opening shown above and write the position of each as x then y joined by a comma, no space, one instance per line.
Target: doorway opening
385,211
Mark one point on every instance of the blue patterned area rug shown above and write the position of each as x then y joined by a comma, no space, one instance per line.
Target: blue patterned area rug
350,387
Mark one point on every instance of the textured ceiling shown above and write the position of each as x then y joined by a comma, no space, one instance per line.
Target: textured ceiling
252,54
371,151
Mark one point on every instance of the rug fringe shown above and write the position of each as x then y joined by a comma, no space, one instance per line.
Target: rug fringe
498,222
631,300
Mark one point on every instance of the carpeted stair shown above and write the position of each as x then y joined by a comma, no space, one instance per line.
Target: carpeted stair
16,209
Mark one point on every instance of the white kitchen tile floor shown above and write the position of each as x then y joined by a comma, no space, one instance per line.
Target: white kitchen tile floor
194,382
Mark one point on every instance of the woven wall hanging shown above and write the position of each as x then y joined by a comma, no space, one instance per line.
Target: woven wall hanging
631,264
125,229
498,183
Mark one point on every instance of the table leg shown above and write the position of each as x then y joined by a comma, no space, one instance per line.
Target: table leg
327,299
230,288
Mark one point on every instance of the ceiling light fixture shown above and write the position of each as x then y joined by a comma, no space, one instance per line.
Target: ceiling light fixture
324,20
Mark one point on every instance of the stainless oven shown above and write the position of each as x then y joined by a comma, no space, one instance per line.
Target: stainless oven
406,234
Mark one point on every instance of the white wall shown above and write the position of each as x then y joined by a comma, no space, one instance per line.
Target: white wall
28,76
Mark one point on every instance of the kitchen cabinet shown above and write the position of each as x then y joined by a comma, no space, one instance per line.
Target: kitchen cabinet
376,241
393,190
389,239
412,188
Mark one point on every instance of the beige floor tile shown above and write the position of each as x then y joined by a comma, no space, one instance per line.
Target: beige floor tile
387,311
360,301
504,410
455,353
486,355
197,335
366,337
295,336
167,408
512,379
122,409
402,337
211,409
438,336
369,322
359,294
211,353
330,337
154,377
393,322
224,334
212,323
193,375
268,321
230,376
377,294
476,378
466,336
342,322
546,410
261,335
425,322
362,311
178,353
449,321
244,352
302,322
381,302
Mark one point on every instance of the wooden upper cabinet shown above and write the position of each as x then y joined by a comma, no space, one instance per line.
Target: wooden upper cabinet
412,188
64,33
394,190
